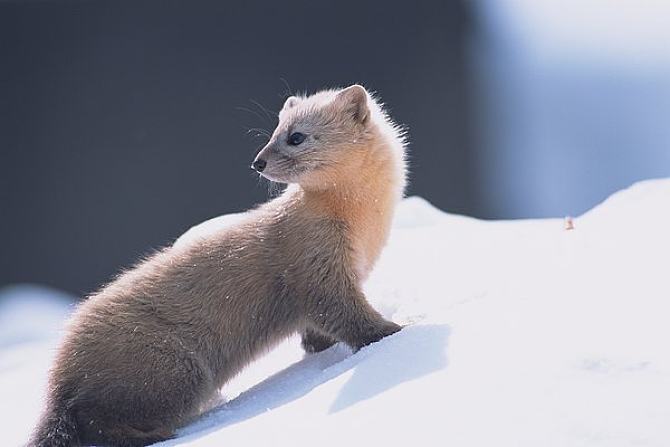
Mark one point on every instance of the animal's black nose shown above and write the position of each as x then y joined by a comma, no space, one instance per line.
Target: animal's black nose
259,164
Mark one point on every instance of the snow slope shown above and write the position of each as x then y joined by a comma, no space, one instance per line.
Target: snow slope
520,333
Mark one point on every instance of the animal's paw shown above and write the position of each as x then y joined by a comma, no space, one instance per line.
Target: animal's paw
313,342
377,333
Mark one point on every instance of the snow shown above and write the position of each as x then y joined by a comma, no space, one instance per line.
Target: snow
519,333
571,100
587,30
30,320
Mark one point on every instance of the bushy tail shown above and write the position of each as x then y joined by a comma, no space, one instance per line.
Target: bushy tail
56,428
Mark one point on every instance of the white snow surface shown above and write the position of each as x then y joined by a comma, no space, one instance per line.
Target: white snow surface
519,333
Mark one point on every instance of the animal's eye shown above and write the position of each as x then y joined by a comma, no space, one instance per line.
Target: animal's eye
296,138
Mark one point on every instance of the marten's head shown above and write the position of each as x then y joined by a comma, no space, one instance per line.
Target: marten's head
323,140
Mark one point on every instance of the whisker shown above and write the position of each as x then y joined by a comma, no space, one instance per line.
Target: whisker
260,131
253,112
269,115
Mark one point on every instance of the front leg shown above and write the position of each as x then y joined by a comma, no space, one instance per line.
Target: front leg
348,317
313,341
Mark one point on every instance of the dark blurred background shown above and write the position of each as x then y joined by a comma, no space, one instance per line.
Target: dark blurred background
122,124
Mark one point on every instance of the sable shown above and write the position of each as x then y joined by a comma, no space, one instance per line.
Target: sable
145,354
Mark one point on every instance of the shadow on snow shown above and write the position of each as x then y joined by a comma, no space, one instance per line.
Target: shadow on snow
412,353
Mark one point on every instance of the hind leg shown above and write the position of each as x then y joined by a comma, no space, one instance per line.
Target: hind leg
129,436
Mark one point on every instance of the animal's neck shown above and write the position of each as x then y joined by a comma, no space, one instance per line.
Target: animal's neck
365,201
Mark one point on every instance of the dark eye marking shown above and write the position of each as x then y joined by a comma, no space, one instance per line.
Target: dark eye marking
296,138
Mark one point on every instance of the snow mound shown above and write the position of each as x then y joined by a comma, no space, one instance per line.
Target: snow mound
31,313
519,333
31,318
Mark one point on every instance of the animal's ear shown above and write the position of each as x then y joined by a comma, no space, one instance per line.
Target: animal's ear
354,100
290,102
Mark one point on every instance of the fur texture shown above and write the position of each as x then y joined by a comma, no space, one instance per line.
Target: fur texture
144,355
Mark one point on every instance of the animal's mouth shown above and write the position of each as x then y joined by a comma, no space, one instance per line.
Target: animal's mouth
283,168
